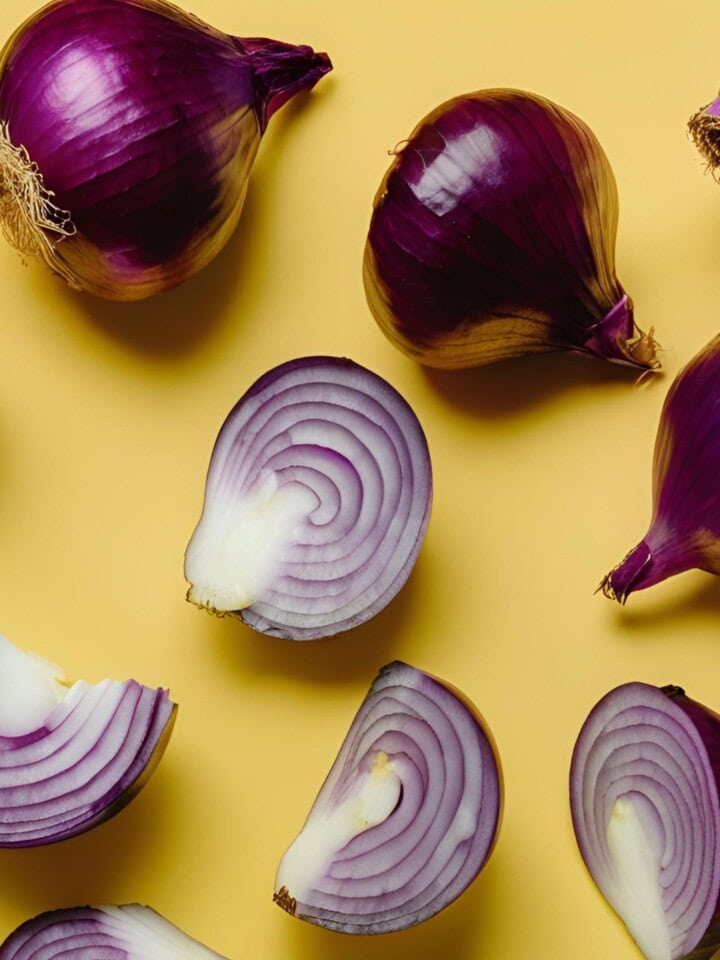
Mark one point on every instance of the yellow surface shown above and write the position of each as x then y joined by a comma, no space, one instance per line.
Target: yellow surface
542,470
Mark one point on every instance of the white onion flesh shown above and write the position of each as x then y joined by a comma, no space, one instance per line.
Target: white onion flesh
317,500
128,932
644,798
71,758
407,816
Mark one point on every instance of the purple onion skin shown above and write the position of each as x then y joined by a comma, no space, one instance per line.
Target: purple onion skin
685,527
493,235
144,123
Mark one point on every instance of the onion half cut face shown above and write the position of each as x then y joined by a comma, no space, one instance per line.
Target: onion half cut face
644,800
317,501
71,756
128,932
407,816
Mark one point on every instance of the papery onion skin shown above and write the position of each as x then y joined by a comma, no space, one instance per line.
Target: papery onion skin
414,804
684,530
84,762
493,236
660,749
704,128
142,123
126,932
350,450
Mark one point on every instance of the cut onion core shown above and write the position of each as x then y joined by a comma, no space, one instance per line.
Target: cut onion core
407,816
644,799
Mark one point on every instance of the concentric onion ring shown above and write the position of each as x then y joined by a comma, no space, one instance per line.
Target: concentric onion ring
644,799
407,816
317,500
128,932
71,758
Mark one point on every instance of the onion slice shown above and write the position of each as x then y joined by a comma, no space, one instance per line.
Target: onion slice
644,800
407,816
127,932
71,757
317,500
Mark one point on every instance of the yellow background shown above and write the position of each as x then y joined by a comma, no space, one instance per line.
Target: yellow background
542,470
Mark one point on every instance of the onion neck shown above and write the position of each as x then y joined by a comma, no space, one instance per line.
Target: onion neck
617,338
281,70
656,558
704,128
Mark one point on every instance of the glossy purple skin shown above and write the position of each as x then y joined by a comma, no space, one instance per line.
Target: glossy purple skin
685,528
508,239
116,101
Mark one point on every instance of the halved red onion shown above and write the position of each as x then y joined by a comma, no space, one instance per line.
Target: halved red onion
317,500
407,816
127,932
71,757
644,799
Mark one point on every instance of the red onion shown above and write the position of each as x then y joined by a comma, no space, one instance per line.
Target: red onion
127,132
317,501
685,527
71,757
493,236
645,807
407,816
127,932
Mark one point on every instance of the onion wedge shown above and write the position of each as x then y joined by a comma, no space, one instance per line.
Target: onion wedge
71,756
407,816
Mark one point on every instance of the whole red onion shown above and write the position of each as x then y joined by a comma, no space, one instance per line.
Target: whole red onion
127,132
684,531
493,236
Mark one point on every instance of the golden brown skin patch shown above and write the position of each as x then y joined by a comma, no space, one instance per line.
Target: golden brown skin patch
283,899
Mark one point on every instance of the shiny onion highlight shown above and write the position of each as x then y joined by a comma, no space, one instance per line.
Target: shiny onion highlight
127,932
128,129
684,529
407,816
644,798
71,757
493,235
317,500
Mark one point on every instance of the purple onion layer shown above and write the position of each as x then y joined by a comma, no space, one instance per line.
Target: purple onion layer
317,501
143,124
127,932
407,816
644,786
684,531
493,235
